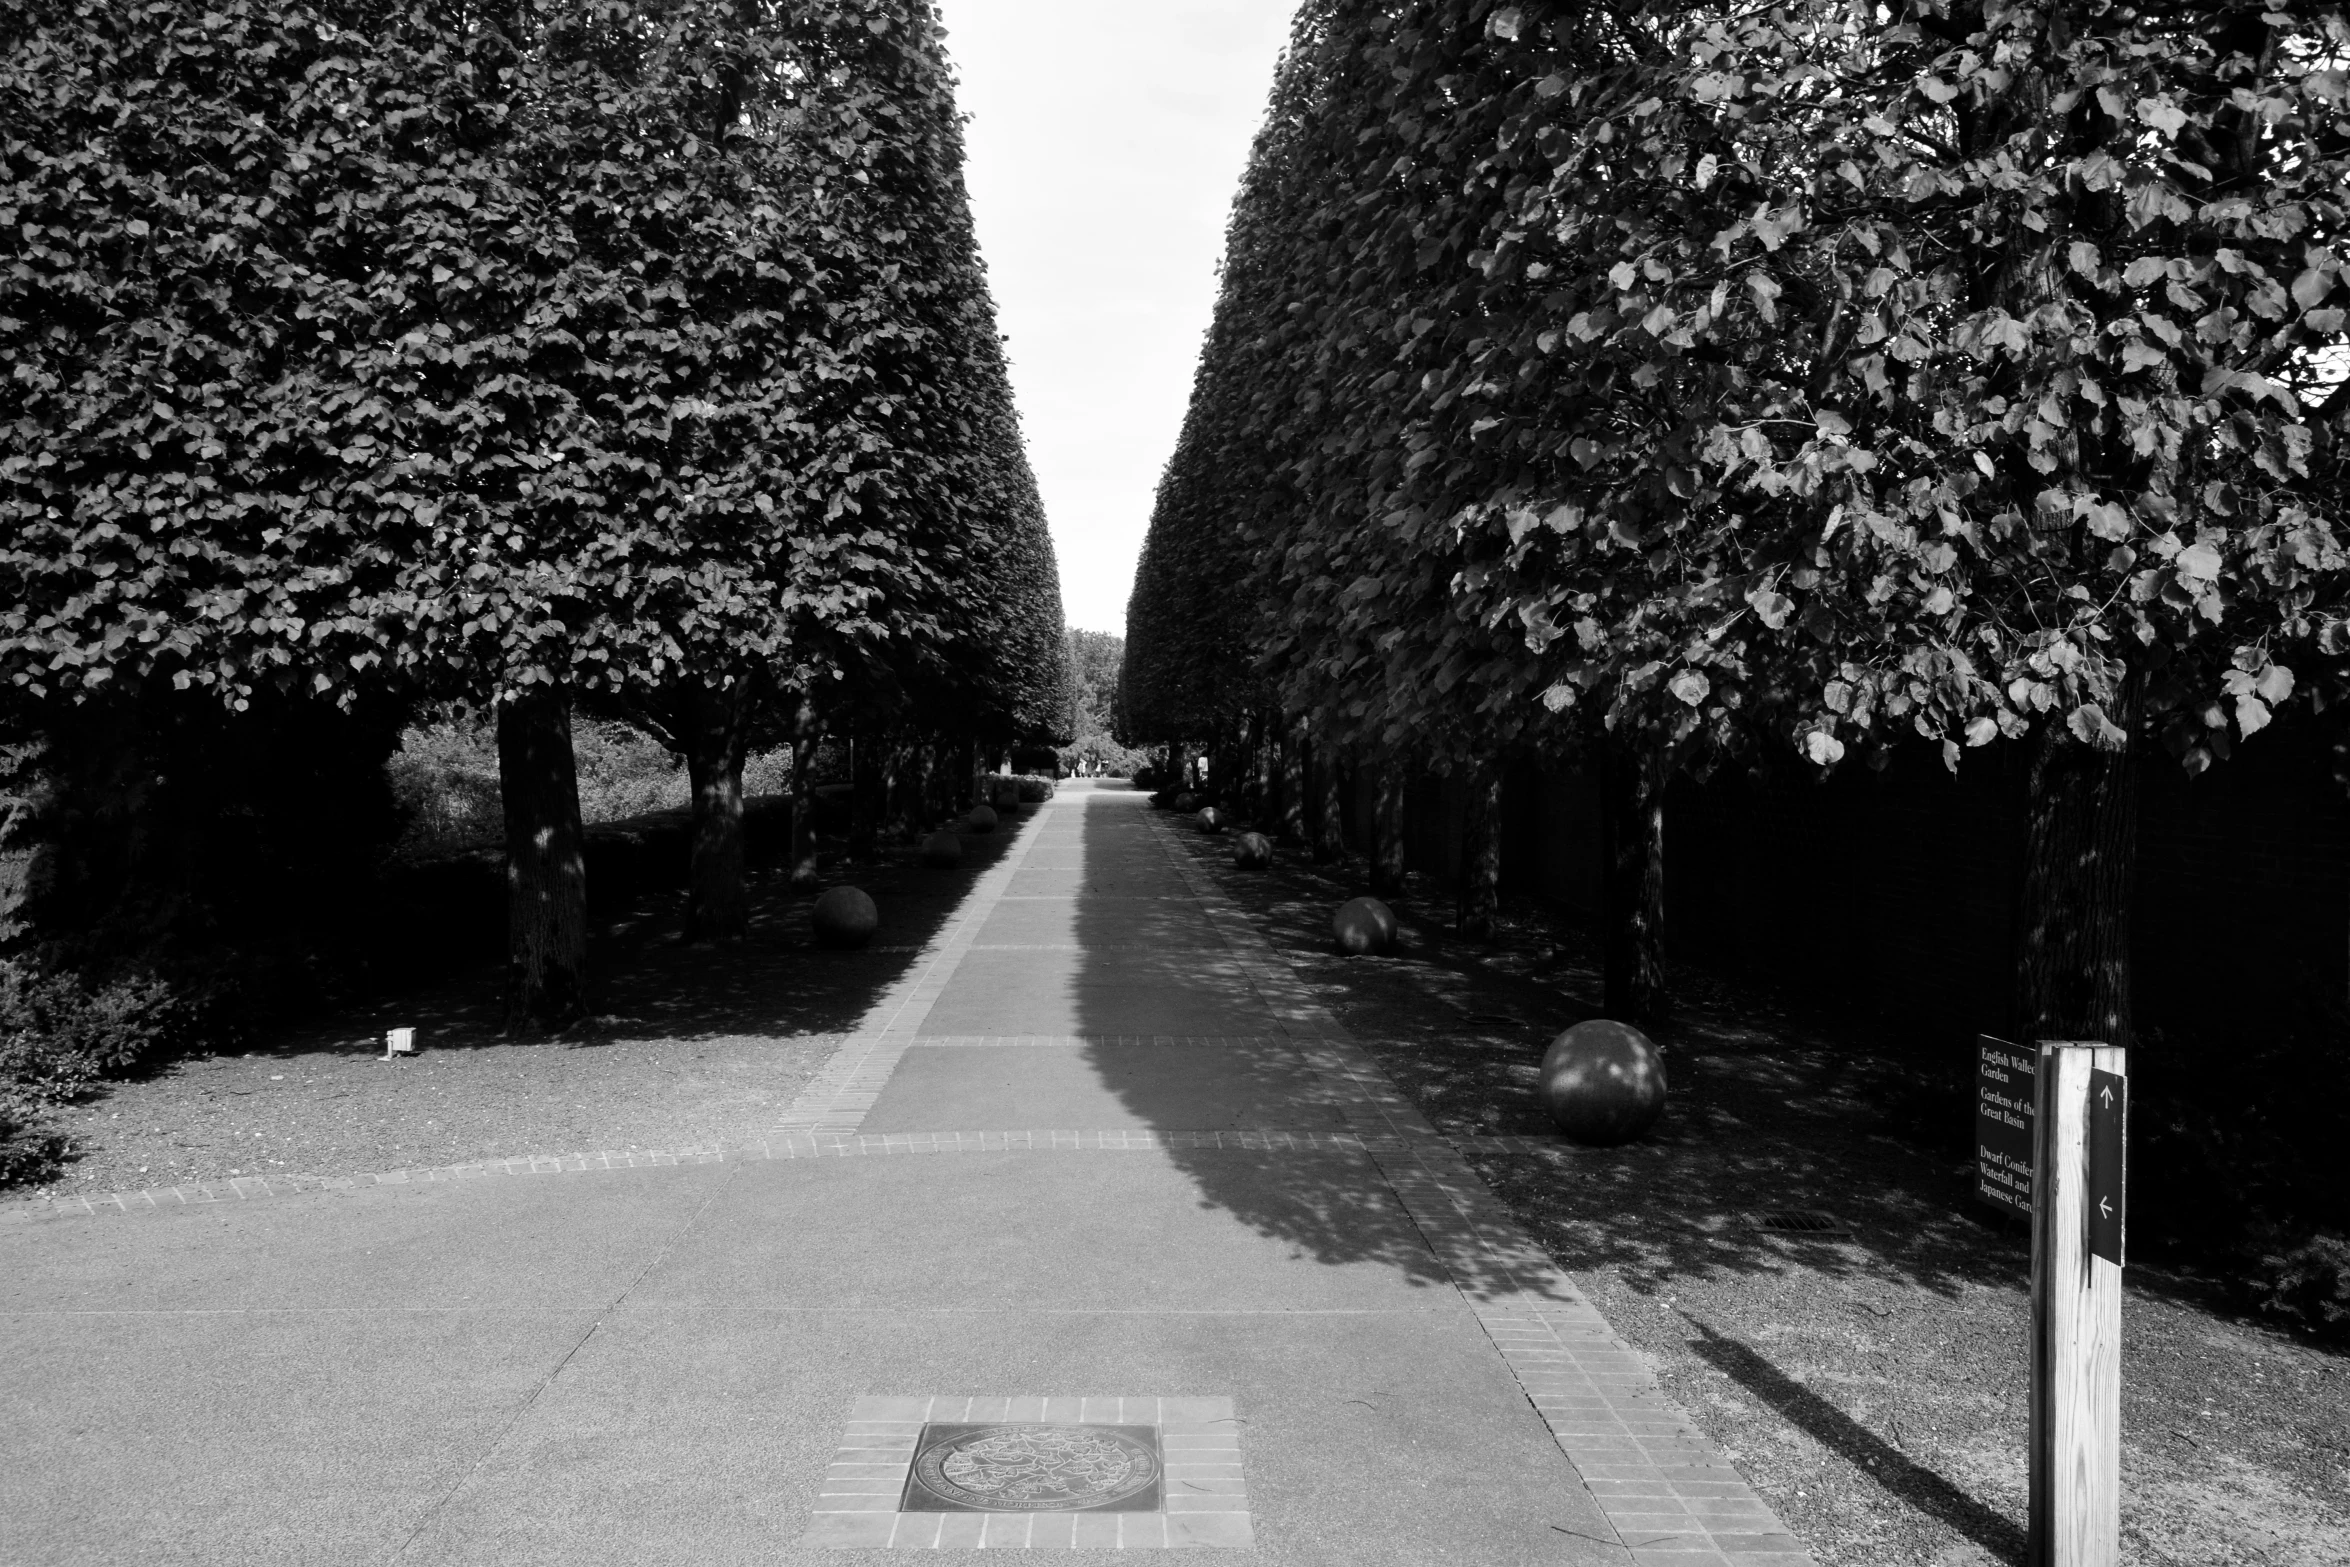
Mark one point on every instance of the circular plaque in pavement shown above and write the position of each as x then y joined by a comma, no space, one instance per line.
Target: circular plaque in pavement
1038,1468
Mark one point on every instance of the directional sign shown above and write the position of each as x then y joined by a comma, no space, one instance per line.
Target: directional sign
2109,1116
2005,1079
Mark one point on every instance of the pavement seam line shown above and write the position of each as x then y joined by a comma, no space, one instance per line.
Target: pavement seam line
842,1090
798,1145
489,1449
1595,1393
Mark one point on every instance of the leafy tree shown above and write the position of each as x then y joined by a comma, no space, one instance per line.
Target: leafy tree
1731,379
633,353
1948,366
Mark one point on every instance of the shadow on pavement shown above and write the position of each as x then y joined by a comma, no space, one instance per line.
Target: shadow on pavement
1335,1208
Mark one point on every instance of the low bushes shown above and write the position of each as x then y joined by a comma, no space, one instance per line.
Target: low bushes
2309,1285
445,778
62,1032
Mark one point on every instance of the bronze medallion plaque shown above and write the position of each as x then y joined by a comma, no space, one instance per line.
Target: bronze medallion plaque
1034,1469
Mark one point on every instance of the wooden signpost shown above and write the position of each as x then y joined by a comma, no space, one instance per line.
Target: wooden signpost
2050,1127
2076,1190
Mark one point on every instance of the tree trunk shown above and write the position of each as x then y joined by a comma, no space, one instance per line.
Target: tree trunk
1293,781
899,783
2072,972
546,863
1633,827
865,791
1387,842
1260,786
967,772
1481,850
938,780
1330,820
716,727
804,873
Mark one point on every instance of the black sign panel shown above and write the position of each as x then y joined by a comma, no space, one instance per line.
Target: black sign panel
2005,1082
2109,1116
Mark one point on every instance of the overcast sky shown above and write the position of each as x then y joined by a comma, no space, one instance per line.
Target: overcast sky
1106,138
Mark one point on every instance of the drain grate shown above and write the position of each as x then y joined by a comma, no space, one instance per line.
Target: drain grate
1800,1221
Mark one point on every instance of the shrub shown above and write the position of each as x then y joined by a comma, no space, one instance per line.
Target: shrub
2309,1284
1034,790
27,1152
62,1032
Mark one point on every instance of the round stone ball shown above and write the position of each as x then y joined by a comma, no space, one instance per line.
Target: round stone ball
1363,925
805,877
1604,1083
1252,851
1211,820
845,917
942,849
1187,801
982,818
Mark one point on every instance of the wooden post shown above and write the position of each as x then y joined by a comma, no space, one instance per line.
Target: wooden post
2077,1178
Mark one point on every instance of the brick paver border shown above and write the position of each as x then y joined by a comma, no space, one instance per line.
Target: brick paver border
1203,1501
837,1098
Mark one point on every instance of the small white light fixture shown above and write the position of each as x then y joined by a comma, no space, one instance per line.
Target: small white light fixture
399,1042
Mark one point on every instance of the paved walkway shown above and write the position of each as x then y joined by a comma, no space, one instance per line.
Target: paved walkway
1122,1195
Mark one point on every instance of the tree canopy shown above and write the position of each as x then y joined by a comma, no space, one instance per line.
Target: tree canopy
429,346
1812,376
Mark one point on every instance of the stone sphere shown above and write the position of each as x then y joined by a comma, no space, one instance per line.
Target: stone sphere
1252,851
805,877
1211,820
942,848
1604,1083
1363,925
844,917
1187,801
982,818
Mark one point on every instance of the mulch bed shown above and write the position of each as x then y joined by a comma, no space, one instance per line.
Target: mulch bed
1871,1383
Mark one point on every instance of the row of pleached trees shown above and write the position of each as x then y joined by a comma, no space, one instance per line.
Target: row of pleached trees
1650,387
633,354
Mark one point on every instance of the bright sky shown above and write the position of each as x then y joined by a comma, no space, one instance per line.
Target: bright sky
1106,140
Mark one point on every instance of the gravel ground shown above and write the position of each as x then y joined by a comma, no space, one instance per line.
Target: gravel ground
694,1045
1873,1385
